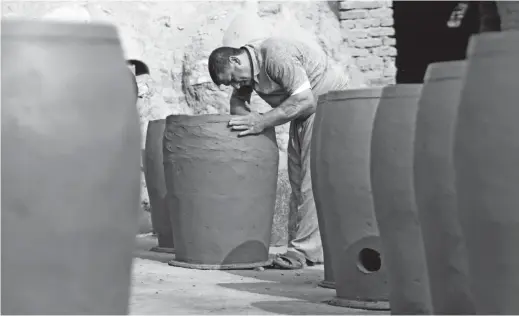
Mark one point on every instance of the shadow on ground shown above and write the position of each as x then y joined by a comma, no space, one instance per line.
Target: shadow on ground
143,244
300,285
304,308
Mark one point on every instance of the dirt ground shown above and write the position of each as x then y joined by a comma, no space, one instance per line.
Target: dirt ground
160,289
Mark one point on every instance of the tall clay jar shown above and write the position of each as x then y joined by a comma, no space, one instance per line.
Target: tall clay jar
329,279
70,169
156,185
341,160
486,151
434,184
221,192
395,207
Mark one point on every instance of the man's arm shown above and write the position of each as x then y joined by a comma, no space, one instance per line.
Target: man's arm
291,76
239,100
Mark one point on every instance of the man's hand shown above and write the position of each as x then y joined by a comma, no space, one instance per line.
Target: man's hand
249,124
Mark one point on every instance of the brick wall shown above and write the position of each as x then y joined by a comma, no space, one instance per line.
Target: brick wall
367,28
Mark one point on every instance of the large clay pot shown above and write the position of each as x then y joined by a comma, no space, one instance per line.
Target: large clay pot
156,185
341,158
434,184
393,194
486,151
329,279
70,169
221,192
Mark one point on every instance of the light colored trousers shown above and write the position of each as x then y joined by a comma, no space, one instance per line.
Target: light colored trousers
304,238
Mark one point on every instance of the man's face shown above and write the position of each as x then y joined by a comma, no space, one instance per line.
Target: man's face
237,75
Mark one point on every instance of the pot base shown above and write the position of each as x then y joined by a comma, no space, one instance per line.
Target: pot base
358,304
234,266
163,249
326,284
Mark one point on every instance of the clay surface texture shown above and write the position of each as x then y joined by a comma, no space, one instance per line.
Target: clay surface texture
156,184
395,207
329,278
221,191
486,151
434,183
341,161
70,170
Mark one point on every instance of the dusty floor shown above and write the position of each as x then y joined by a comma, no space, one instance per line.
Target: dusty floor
162,289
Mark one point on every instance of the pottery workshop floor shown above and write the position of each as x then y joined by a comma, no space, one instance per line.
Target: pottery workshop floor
161,289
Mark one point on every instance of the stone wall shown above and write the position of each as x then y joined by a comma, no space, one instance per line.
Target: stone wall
176,37
367,28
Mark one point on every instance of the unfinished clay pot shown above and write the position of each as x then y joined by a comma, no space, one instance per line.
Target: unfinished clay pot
486,151
393,194
434,185
156,185
329,279
70,169
341,158
221,192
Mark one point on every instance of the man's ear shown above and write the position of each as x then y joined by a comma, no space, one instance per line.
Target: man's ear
235,59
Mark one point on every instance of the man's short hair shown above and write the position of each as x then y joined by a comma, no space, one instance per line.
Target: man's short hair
219,61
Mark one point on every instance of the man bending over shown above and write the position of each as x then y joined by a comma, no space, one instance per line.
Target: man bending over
289,75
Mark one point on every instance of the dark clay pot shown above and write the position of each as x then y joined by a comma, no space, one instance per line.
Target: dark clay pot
486,152
434,184
395,208
156,185
341,159
221,192
70,169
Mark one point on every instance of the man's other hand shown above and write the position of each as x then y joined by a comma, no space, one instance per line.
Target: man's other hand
250,124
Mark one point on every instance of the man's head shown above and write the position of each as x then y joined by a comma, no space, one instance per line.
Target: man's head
230,67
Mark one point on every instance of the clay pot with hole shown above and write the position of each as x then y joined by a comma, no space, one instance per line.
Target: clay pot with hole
156,185
434,185
395,207
341,146
486,151
70,169
221,192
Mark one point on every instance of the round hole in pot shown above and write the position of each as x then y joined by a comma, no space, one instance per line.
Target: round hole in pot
369,260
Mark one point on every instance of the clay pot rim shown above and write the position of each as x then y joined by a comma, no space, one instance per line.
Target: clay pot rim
445,70
40,29
402,90
189,120
362,93
489,43
157,121
198,119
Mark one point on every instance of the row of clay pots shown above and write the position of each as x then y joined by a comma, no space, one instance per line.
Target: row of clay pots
435,165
